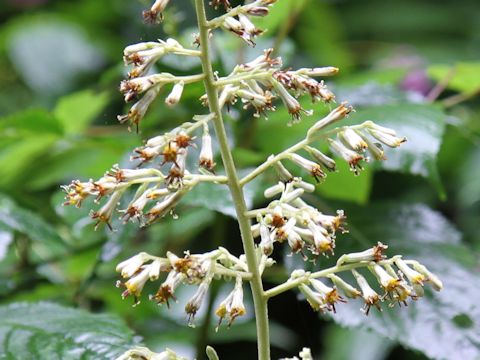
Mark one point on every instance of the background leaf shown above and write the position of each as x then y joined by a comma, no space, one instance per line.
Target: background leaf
31,331
444,325
76,111
462,76
423,125
46,243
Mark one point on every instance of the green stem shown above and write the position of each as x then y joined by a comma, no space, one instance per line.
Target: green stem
272,160
293,283
260,302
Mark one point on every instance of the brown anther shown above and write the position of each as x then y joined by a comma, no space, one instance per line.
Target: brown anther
378,251
170,153
152,17
163,294
184,140
317,173
277,221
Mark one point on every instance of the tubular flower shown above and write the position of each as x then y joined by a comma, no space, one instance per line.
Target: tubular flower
167,289
232,307
394,287
370,297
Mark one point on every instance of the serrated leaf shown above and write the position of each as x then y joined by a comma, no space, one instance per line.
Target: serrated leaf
46,243
463,77
444,325
36,331
76,111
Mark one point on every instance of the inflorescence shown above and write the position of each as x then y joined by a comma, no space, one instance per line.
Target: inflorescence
162,178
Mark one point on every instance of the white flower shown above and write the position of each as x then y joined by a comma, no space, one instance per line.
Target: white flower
129,267
370,297
176,94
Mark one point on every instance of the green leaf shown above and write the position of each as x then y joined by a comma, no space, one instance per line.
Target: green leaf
343,343
463,77
46,243
325,45
279,15
213,197
38,331
85,158
423,125
76,111
30,122
444,325
217,197
6,238
344,185
16,158
50,53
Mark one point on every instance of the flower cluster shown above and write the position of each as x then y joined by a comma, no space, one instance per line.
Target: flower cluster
258,82
157,193
352,142
197,269
142,57
398,280
237,21
292,220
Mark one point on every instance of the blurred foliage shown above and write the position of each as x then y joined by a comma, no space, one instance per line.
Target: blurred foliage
413,66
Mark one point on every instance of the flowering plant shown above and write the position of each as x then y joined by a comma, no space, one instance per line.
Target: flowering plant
164,176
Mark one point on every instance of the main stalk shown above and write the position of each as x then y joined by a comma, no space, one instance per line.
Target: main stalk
259,300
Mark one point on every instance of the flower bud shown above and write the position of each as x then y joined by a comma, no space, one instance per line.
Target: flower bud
175,95
352,139
292,195
348,290
317,72
387,139
129,267
313,168
373,254
206,152
321,158
266,242
139,109
430,277
336,114
274,190
282,172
